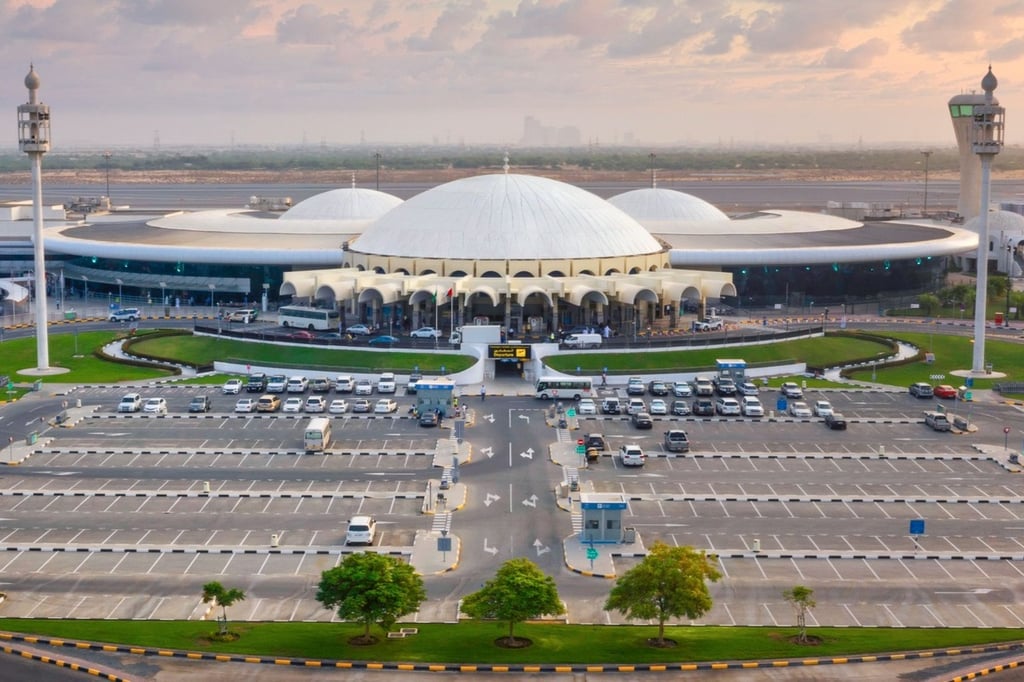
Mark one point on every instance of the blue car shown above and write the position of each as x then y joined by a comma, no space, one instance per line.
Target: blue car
383,340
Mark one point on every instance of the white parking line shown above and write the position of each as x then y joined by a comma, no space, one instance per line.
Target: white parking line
110,614
1012,613
156,608
81,563
118,564
770,614
852,617
892,615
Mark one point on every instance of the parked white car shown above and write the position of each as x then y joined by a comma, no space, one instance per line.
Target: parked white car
315,404
232,387
245,405
338,407
155,406
586,406
658,406
752,407
297,384
822,408
425,333
385,406
800,409
361,531
292,405
727,406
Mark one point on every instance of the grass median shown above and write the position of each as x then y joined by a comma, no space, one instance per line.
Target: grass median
473,641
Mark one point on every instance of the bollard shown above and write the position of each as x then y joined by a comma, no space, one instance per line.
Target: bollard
78,402
274,539
881,450
206,487
757,544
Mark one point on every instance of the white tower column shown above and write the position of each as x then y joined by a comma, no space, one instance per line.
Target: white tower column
34,140
986,142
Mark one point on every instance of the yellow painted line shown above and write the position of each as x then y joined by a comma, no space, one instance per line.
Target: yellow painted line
467,668
193,655
719,666
751,665
312,664
109,647
531,668
688,666
251,659
840,660
282,661
780,664
499,668
374,666
222,658
810,661
436,668
162,652
137,650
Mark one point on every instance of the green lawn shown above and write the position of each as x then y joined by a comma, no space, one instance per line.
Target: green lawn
73,351
819,352
951,352
473,641
203,350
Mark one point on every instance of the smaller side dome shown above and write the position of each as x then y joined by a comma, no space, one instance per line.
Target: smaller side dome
1007,222
659,204
347,203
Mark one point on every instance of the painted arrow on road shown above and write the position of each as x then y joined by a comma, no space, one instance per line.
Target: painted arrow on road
530,501
528,453
489,451
491,499
539,546
524,416
489,417
490,550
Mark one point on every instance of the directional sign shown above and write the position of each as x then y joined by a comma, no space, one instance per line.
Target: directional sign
570,412
591,553
917,526
444,544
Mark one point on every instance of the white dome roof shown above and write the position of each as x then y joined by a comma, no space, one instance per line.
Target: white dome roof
506,216
1007,222
348,203
656,204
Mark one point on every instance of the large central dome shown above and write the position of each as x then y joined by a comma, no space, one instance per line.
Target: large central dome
506,216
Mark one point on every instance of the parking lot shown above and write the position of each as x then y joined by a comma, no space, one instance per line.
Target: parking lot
127,515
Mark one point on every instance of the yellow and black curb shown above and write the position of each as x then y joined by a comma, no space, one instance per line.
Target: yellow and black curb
513,668
60,663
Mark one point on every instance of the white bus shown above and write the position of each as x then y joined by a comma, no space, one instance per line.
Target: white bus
303,317
548,388
317,435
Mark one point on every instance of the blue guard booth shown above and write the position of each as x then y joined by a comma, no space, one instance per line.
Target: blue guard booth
602,517
732,369
433,394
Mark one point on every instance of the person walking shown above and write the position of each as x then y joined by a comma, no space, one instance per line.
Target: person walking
483,393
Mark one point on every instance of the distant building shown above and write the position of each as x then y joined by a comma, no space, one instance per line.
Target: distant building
535,134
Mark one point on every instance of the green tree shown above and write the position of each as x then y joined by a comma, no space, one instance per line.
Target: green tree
519,591
371,588
669,582
929,302
802,600
218,594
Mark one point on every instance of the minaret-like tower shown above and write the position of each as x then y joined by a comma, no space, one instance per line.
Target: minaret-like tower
986,138
961,109
34,140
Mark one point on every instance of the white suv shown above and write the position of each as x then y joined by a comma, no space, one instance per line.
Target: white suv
132,402
361,531
632,456
125,314
386,383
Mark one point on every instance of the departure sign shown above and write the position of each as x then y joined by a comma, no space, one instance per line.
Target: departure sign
512,351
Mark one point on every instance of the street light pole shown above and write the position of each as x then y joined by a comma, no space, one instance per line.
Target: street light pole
651,156
927,154
120,292
377,157
106,159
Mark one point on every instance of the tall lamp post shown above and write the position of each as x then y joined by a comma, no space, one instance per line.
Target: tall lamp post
34,140
927,154
986,142
120,292
213,293
106,164
651,156
377,157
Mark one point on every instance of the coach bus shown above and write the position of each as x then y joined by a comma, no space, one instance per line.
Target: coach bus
551,387
302,317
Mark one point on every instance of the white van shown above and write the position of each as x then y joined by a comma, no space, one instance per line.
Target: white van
583,340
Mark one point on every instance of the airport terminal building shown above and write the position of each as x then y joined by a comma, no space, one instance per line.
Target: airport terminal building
523,251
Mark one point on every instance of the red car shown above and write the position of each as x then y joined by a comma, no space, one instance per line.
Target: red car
303,335
945,391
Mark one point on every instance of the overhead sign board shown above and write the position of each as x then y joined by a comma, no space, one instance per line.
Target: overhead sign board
511,351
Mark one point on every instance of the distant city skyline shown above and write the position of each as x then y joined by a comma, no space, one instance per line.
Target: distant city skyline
137,73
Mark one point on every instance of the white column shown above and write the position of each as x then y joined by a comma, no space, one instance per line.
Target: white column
981,302
42,333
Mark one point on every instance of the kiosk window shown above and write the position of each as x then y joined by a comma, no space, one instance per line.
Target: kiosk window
593,524
611,524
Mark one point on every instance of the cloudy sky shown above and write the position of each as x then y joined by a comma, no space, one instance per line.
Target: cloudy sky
658,72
